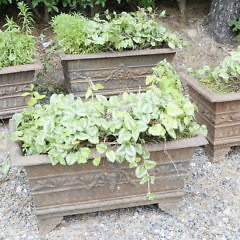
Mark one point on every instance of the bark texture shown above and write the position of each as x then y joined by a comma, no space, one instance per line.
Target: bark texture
221,12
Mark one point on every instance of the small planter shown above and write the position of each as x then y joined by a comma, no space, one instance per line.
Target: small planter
66,190
116,71
13,82
220,113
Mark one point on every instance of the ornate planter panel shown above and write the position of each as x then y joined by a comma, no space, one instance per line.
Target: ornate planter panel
220,113
13,82
65,190
116,71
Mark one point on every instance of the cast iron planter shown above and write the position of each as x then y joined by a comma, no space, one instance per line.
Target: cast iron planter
13,82
66,190
116,71
220,113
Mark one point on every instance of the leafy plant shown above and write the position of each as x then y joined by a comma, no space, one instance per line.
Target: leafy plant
224,78
48,90
69,129
235,25
34,96
125,31
17,46
25,18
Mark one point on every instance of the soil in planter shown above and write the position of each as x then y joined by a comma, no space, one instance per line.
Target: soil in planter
232,86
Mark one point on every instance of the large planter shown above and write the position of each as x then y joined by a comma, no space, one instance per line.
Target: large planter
116,71
66,190
220,113
13,82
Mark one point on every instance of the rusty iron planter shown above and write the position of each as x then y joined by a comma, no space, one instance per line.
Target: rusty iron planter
82,188
220,113
13,82
116,71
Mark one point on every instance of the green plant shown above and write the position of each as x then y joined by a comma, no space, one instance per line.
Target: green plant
34,96
224,78
146,3
43,8
25,18
69,129
125,31
17,46
235,25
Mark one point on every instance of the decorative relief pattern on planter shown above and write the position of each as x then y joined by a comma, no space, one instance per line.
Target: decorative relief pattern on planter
219,112
8,89
94,179
229,118
204,106
13,82
229,131
65,190
120,72
117,72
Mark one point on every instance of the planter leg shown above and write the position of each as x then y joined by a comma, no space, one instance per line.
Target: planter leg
168,208
216,153
46,225
170,205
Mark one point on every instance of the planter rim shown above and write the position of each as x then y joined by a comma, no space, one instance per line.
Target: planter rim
115,54
21,68
17,158
207,93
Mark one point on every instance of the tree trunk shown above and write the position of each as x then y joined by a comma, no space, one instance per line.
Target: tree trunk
221,12
46,14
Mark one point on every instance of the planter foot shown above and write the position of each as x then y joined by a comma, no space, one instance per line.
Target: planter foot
168,208
46,225
215,154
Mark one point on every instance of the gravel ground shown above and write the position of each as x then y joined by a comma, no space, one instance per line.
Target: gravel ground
210,209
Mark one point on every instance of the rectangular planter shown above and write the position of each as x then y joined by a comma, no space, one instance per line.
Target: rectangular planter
66,190
220,113
13,82
116,71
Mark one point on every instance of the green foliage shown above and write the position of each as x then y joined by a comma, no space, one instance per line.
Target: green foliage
69,129
54,5
48,90
17,46
125,31
165,76
25,18
224,78
235,25
34,96
146,3
16,49
93,87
